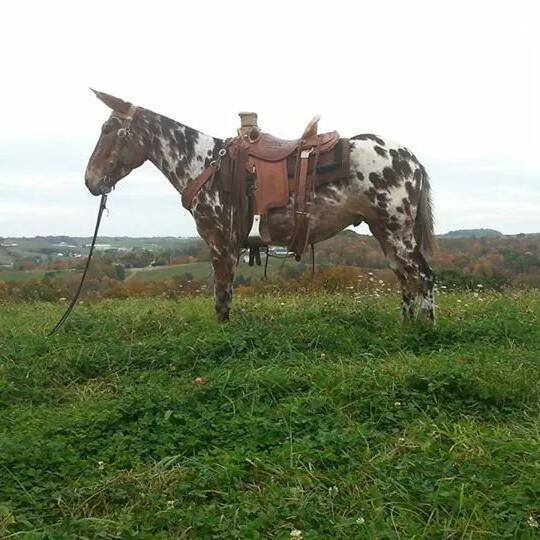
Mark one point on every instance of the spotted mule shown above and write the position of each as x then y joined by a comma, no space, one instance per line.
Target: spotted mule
387,188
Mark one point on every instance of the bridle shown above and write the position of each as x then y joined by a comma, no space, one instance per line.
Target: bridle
123,134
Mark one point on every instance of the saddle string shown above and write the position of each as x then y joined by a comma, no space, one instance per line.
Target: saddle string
102,208
265,275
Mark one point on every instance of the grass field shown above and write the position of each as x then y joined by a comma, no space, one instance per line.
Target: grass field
199,270
319,414
203,270
23,275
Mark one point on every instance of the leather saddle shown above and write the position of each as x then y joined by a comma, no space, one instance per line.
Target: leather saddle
271,159
262,172
284,167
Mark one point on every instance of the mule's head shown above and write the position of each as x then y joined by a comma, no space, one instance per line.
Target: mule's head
119,149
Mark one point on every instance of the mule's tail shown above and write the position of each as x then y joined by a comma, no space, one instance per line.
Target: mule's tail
423,225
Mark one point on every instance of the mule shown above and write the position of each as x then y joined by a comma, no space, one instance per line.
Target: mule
387,188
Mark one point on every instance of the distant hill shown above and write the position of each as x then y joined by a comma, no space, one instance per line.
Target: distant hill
473,233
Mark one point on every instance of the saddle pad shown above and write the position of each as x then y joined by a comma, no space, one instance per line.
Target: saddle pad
331,166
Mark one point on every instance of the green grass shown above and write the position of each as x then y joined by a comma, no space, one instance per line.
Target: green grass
23,275
199,270
203,270
146,419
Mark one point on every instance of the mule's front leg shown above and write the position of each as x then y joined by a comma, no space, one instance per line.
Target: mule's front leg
224,263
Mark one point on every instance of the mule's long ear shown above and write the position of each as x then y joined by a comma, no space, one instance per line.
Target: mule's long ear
116,104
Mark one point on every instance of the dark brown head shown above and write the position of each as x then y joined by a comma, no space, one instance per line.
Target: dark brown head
119,150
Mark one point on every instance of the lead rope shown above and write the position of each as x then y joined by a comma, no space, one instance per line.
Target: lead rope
102,207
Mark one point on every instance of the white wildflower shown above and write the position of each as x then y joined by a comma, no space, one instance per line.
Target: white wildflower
100,465
296,533
360,521
533,522
170,504
397,404
332,491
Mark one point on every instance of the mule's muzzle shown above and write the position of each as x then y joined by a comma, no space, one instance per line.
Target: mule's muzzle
97,185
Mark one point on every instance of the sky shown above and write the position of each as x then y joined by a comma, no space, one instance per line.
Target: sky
456,82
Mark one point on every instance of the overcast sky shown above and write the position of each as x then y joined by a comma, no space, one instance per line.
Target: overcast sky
457,82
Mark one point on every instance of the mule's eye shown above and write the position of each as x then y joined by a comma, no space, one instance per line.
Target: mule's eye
106,128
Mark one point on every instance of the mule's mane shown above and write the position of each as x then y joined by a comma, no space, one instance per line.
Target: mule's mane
164,123
178,150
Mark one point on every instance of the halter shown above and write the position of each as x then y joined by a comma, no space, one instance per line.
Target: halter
123,134
127,118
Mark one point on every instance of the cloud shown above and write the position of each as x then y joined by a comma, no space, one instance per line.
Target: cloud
466,195
144,204
468,107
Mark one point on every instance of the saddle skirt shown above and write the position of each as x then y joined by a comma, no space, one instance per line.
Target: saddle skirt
275,164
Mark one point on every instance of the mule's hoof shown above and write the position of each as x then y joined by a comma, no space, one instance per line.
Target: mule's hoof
223,317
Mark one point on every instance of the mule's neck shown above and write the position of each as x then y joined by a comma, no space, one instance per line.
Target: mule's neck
178,151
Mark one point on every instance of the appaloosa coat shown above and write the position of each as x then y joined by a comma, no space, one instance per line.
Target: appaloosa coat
387,188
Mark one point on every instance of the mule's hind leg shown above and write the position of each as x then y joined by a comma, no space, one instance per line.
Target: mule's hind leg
414,274
426,283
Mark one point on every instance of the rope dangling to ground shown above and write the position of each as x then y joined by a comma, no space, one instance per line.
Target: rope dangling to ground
64,317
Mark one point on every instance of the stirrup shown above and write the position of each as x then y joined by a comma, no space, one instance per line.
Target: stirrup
254,237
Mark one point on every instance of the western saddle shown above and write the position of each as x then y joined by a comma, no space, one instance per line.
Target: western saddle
261,172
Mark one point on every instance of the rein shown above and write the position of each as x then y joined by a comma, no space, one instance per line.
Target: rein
102,206
123,133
